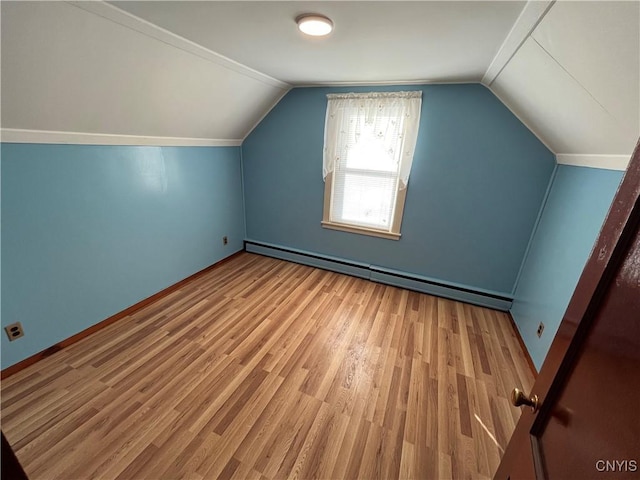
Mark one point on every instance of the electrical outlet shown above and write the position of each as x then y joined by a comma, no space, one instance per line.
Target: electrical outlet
14,331
225,240
540,329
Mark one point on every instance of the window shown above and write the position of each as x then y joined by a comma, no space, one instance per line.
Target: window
369,141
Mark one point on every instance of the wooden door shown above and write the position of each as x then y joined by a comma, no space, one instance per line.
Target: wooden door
9,465
588,421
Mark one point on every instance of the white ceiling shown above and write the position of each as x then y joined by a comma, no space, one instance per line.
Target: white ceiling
372,41
206,72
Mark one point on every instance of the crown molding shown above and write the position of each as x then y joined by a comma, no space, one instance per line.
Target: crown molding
608,162
17,135
383,83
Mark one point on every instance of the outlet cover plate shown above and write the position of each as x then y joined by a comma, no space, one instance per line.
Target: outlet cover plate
14,331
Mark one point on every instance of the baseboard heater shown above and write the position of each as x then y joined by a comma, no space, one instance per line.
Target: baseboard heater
383,275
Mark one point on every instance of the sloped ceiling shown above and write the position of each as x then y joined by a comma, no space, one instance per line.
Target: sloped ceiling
575,81
101,74
206,72
372,41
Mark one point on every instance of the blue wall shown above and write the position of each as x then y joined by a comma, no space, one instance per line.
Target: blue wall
575,209
88,231
478,179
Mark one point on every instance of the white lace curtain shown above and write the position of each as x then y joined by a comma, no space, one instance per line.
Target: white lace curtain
394,117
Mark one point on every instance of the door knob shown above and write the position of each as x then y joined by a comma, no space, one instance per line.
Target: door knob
518,398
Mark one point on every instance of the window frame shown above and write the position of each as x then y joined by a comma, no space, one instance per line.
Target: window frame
391,232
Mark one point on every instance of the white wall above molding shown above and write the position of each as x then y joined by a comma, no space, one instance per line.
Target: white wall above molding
128,20
608,162
92,68
528,19
14,135
575,79
598,44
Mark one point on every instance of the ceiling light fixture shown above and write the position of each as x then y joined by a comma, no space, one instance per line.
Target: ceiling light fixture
315,25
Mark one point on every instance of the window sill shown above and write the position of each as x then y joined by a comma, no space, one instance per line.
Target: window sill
360,230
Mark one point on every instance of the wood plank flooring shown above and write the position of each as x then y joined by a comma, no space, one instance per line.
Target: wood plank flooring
268,369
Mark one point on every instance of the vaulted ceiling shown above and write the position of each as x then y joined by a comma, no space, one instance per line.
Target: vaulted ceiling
372,41
575,81
205,73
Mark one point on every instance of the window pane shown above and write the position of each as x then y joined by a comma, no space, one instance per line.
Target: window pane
365,200
372,150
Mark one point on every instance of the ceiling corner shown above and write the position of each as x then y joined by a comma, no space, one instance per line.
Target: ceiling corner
530,16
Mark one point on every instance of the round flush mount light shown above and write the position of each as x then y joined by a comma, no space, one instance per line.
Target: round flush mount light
315,25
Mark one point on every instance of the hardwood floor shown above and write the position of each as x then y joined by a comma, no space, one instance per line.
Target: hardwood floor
268,369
